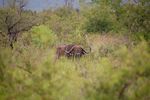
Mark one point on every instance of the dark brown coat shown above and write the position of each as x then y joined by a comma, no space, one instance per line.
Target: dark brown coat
70,50
76,51
62,50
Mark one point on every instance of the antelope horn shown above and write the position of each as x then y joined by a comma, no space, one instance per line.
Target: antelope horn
84,51
69,50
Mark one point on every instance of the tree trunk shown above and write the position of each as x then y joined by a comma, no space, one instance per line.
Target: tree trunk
12,36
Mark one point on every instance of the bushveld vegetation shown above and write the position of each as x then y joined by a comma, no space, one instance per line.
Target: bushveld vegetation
117,68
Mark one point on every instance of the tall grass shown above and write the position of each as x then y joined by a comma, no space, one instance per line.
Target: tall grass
30,73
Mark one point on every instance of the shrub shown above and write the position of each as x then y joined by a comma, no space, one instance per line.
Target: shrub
100,18
32,74
63,20
42,35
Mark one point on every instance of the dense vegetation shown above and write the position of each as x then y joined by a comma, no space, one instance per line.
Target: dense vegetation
117,68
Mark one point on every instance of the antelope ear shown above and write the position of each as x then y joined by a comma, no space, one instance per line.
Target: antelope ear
90,49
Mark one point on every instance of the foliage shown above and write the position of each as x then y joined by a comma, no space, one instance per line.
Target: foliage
13,23
42,35
34,75
62,20
135,17
100,18
117,68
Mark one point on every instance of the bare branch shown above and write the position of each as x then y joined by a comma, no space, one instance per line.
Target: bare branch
28,27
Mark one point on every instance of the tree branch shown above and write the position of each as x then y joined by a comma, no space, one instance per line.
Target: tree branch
126,85
26,28
12,26
6,19
25,69
123,89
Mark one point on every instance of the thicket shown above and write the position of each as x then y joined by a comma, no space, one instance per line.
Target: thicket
117,68
29,72
131,17
101,18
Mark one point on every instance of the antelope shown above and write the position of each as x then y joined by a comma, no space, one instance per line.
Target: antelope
70,50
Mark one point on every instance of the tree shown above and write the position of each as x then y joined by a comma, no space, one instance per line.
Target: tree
100,18
135,17
69,3
14,19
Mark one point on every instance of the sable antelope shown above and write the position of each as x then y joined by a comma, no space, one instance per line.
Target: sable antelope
76,51
70,50
62,50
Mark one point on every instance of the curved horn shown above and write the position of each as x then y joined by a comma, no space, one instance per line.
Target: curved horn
69,50
84,51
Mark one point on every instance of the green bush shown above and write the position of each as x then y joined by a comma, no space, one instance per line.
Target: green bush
135,18
63,20
100,18
42,35
116,68
28,75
